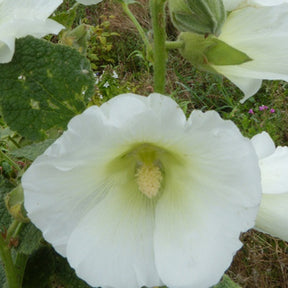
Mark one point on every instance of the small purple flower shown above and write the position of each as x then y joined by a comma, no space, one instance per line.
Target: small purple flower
272,110
251,111
263,107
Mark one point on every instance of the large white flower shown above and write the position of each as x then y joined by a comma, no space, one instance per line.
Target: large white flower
261,33
134,194
19,18
272,217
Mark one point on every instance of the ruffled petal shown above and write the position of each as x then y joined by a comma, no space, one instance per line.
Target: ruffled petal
36,28
263,145
273,214
207,204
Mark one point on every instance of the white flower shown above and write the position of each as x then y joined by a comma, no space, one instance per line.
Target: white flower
262,33
272,217
19,18
134,195
89,2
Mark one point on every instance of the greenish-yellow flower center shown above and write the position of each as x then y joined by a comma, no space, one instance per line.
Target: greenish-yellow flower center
148,179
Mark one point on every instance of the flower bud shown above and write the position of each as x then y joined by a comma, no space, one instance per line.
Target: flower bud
203,52
14,204
198,16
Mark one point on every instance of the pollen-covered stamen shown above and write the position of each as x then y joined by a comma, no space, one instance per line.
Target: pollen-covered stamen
148,179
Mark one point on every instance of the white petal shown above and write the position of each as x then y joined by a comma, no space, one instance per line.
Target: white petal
89,2
273,214
36,28
27,9
248,86
118,241
19,18
231,4
262,34
274,172
263,145
206,205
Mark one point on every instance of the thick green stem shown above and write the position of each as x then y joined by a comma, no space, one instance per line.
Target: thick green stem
142,33
14,271
157,9
12,276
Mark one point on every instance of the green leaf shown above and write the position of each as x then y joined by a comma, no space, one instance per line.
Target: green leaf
226,283
46,269
31,152
66,276
66,18
39,268
43,87
3,283
30,239
5,217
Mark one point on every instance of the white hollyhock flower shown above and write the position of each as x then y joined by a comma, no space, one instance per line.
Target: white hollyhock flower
89,2
19,18
237,4
134,194
272,217
262,34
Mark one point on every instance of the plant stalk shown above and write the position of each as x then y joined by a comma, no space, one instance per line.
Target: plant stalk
157,10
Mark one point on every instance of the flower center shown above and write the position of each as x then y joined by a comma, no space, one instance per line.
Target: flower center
148,179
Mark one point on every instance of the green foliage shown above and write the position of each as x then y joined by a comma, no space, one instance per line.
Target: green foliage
43,87
30,239
3,283
66,17
5,218
46,269
226,282
108,85
31,152
100,44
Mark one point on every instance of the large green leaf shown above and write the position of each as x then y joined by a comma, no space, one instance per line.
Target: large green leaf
43,87
47,269
30,239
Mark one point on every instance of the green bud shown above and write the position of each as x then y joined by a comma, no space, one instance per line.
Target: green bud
204,51
198,16
14,204
77,38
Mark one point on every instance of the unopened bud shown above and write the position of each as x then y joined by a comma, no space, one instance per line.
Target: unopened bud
198,16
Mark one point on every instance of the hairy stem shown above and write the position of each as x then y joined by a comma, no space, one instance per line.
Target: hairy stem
157,9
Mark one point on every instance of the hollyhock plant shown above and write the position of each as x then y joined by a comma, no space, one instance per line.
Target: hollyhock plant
134,186
19,18
273,213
